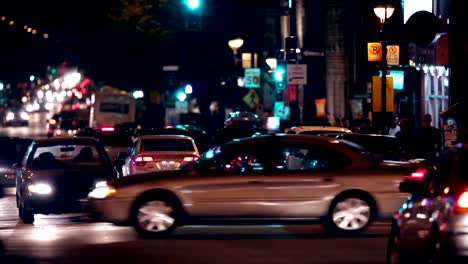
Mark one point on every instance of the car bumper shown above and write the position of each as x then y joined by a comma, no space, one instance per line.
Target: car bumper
53,205
115,210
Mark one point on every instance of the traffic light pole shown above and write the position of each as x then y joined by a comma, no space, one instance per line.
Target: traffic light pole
291,57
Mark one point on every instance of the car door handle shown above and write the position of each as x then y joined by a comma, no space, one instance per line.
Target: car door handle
327,179
255,182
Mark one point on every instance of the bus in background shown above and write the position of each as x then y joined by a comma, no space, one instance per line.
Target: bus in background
111,106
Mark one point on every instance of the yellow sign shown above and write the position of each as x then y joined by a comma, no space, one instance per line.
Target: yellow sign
252,99
393,55
377,94
374,51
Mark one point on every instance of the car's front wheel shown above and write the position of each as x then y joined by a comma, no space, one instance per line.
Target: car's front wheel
26,214
155,216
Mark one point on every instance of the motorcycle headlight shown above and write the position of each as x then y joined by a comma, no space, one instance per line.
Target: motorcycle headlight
102,192
40,188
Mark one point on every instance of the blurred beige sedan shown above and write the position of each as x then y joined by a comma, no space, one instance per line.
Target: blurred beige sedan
272,178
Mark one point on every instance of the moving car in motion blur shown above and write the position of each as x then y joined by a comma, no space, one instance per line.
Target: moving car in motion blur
432,224
160,152
266,178
67,123
15,116
12,151
55,173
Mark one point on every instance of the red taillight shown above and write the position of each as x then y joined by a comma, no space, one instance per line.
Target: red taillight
142,160
461,205
418,175
188,159
74,123
107,129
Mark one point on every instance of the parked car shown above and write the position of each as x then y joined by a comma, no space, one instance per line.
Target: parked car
271,177
56,172
15,116
432,224
316,130
160,152
11,152
381,146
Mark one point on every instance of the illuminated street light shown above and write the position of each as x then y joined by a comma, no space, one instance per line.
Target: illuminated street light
272,63
34,32
32,78
138,94
46,35
383,10
188,89
235,44
29,29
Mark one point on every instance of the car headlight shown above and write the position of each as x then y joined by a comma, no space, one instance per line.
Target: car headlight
40,188
24,116
10,116
102,192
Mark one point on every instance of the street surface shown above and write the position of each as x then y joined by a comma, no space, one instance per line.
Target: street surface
76,239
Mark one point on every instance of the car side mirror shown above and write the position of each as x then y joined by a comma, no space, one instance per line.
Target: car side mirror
412,186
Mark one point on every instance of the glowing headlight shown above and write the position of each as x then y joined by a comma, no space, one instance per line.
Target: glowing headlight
101,184
102,192
40,188
10,116
24,116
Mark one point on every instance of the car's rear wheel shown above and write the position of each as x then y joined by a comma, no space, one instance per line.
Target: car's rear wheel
350,214
155,216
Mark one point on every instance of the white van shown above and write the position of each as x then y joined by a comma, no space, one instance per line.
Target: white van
111,106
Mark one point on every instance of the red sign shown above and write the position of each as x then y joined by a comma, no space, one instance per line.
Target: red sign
292,89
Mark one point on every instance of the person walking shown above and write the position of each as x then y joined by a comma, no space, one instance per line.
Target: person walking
428,139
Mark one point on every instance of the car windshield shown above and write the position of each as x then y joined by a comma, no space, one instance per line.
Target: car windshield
166,144
67,156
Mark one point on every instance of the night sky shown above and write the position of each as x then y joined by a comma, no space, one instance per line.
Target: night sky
82,34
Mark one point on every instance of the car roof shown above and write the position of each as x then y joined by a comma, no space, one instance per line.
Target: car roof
299,129
66,140
165,137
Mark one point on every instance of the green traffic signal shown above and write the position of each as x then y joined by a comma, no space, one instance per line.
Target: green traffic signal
193,4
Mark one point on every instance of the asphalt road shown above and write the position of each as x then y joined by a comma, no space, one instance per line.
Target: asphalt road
76,239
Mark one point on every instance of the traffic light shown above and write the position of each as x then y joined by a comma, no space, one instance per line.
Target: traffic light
193,4
280,76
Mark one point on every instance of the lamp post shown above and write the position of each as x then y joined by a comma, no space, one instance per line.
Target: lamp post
235,44
384,11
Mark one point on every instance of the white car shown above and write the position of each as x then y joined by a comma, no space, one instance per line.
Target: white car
151,153
316,130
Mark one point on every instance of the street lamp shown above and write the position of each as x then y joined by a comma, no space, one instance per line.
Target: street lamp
384,10
235,44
